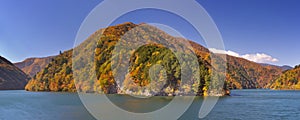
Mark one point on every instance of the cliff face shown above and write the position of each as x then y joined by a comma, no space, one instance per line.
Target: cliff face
31,66
58,75
11,77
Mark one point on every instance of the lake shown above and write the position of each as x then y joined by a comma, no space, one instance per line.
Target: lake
243,104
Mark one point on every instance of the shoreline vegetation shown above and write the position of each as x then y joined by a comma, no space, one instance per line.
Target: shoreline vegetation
242,74
56,73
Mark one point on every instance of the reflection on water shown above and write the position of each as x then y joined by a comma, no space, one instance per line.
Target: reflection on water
139,105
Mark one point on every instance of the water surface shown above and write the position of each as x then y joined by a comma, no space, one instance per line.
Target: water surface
242,105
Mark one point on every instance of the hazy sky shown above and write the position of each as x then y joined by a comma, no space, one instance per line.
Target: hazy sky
258,30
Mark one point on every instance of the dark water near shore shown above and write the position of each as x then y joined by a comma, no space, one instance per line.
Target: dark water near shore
243,104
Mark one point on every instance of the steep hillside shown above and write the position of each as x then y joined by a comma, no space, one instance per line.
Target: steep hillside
289,80
58,75
31,66
244,74
11,77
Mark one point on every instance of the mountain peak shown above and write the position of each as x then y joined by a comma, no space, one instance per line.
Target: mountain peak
125,24
2,59
242,74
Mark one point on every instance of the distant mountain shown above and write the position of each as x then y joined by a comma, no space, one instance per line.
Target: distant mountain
284,67
289,80
11,77
31,66
58,75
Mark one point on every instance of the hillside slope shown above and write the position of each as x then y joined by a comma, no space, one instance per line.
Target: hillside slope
244,74
11,77
289,80
58,75
31,66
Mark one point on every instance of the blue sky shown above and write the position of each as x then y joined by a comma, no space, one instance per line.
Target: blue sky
38,28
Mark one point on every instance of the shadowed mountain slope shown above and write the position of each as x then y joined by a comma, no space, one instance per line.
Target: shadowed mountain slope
11,77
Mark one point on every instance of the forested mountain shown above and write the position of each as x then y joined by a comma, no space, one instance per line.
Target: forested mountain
33,65
289,80
244,74
11,77
284,67
58,75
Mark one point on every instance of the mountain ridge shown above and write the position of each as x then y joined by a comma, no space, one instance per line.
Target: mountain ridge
11,77
289,80
242,73
33,65
283,67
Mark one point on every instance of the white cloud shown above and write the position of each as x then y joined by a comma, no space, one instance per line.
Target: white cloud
257,57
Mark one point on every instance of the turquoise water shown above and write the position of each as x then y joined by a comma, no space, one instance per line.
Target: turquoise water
242,105
22,105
